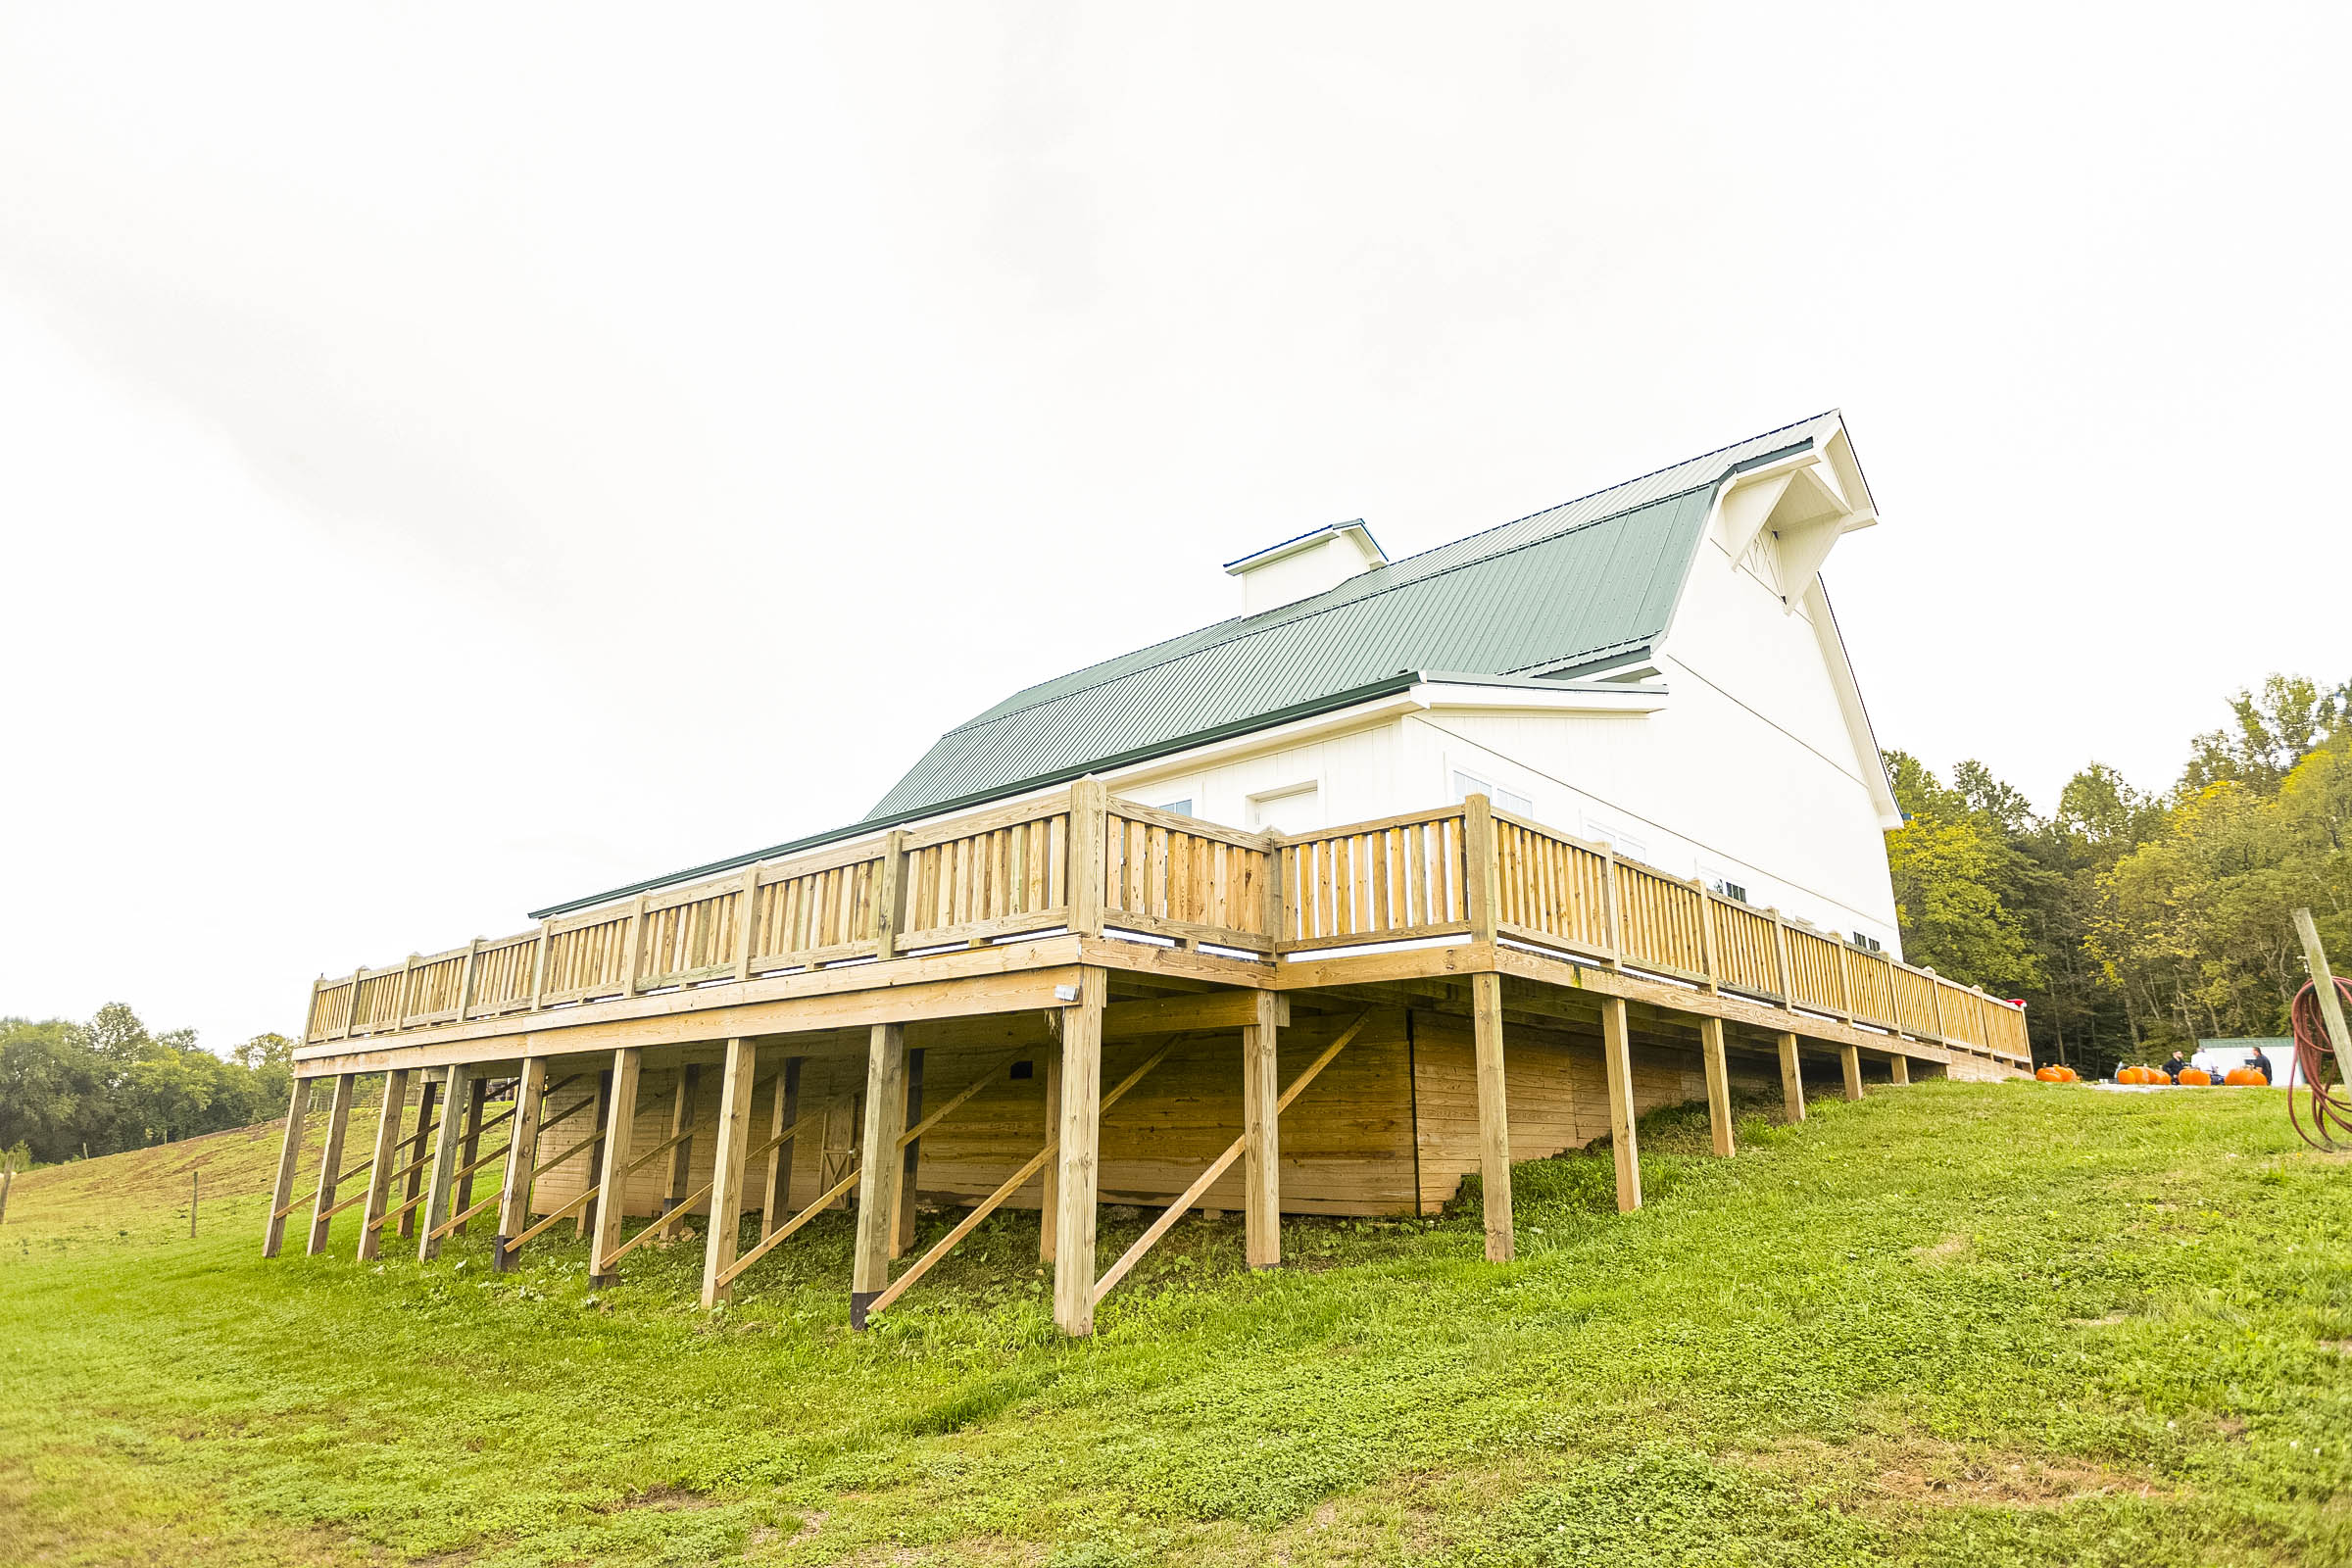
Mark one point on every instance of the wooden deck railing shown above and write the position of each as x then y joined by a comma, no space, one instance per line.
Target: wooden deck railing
1080,861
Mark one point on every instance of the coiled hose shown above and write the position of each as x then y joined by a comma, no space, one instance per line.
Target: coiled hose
2323,1074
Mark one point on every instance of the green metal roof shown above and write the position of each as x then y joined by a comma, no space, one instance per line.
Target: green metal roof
1565,590
1579,583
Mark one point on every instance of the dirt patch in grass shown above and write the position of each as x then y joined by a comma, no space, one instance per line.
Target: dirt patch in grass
665,1496
1915,1469
1943,1252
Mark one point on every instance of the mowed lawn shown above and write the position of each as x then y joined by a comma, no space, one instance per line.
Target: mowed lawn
1950,1324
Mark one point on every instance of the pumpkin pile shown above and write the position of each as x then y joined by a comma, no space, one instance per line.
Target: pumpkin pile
2195,1075
2244,1076
2140,1075
2056,1075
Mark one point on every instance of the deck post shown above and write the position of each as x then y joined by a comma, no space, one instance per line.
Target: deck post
446,1143
728,1146
901,1228
1261,1130
1090,805
1902,1067
428,1095
1719,1086
784,1107
1049,1204
681,1156
289,1156
1617,1047
477,1100
387,1160
628,1063
879,1163
330,1161
1493,1112
1079,1139
1793,1082
1850,1058
522,1153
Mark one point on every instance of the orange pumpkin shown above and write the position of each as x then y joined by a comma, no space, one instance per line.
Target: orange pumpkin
2195,1075
2068,1075
2132,1075
2251,1077
2049,1075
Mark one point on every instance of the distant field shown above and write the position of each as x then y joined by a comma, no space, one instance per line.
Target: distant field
1951,1324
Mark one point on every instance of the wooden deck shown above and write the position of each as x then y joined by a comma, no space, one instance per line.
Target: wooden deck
1033,935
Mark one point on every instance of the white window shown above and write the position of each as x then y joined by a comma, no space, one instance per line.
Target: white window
1466,785
1295,808
1600,828
1183,807
1868,942
1734,891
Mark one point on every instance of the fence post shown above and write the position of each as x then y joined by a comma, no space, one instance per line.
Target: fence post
745,911
889,895
1846,986
1706,936
1779,958
539,962
1277,911
473,954
634,940
1090,820
1481,872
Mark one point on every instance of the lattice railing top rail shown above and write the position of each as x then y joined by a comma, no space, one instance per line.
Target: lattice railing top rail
1080,861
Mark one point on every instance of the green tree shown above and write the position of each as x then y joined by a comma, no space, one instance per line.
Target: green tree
1950,864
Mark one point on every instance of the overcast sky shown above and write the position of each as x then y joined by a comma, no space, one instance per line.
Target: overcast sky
453,459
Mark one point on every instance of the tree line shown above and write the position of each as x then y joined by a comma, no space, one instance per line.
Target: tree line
70,1088
2134,922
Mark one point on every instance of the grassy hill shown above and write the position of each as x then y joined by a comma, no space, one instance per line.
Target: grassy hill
1951,1324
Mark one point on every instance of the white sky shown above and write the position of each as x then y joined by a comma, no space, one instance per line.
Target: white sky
453,459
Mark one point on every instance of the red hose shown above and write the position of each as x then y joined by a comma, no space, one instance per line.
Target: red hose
2323,1077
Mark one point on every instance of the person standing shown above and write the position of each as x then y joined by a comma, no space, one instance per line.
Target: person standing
2259,1061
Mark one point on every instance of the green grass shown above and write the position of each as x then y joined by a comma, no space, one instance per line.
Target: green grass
1950,1324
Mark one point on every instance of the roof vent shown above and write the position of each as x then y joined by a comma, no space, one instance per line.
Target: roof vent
1297,568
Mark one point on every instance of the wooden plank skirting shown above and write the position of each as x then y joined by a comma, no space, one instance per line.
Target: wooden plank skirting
1080,862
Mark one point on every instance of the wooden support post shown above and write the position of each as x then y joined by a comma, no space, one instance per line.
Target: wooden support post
1049,1206
682,1157
477,1100
2323,989
1493,1112
1850,1058
890,894
1262,1134
902,1225
1089,804
195,1190
446,1144
1718,1085
1481,869
612,1204
330,1162
879,1163
1078,1153
1617,1047
1901,1066
289,1157
428,1095
776,1199
1793,1082
387,1160
728,1146
523,1156
7,1180
839,1155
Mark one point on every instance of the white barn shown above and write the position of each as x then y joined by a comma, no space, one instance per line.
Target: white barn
1655,665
